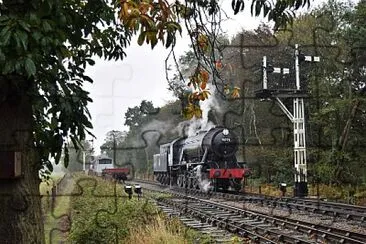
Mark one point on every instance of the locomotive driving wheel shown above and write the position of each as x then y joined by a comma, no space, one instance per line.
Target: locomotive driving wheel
237,185
184,181
195,183
180,181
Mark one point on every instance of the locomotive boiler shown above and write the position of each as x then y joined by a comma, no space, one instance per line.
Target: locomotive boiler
205,161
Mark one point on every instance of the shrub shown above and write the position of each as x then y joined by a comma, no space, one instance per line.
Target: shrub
103,213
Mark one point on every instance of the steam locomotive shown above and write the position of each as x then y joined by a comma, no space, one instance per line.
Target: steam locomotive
205,161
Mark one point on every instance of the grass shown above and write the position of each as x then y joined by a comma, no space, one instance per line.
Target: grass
166,231
52,220
125,221
98,219
330,192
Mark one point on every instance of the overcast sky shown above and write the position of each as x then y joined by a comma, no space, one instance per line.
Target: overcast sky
141,75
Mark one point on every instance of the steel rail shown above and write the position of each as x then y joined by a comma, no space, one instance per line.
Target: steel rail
325,232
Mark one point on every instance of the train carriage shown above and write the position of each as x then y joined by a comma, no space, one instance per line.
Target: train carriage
99,163
102,165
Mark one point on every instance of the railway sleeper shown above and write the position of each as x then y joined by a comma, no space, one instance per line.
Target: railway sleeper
236,219
251,223
190,222
225,215
198,226
185,219
264,226
216,232
302,236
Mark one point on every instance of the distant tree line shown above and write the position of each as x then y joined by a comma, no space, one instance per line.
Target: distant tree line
335,109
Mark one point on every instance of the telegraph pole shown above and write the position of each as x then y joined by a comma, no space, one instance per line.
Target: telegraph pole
84,154
114,147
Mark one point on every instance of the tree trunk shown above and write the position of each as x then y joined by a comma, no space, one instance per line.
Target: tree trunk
344,137
20,201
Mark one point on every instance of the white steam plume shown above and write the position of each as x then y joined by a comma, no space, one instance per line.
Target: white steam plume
207,105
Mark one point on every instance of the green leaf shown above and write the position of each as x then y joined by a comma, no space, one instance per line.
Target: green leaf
266,10
57,158
30,67
154,41
36,36
66,158
24,39
174,26
3,19
141,38
18,66
258,8
49,166
5,36
90,61
21,38
46,26
8,68
169,40
34,19
2,56
25,26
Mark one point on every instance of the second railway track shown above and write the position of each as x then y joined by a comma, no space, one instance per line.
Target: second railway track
252,225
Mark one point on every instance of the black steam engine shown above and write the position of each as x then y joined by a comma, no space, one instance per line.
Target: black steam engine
204,161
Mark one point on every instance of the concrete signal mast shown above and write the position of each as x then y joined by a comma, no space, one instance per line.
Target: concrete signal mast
297,117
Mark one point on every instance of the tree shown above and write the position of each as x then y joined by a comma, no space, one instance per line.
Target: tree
135,117
158,20
77,156
112,143
44,49
336,114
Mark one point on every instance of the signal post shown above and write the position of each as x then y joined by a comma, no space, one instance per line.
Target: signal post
297,116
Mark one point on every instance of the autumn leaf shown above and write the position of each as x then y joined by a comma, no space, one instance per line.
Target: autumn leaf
236,92
202,42
188,111
204,75
197,112
206,93
218,64
226,89
203,85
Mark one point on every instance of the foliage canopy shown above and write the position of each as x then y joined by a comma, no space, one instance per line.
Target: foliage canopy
160,20
51,43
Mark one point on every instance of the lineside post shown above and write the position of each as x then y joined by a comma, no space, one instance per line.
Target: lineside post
301,185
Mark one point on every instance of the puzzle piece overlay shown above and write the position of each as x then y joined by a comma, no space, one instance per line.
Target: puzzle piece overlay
286,106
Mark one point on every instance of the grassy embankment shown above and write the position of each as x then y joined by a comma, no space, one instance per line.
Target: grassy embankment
101,212
332,193
52,213
104,214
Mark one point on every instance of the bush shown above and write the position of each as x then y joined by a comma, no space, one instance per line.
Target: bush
164,230
103,213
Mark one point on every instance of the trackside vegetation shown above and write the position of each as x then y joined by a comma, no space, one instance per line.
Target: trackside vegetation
52,208
102,213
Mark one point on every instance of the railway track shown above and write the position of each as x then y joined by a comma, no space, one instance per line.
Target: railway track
337,211
256,226
252,225
218,235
